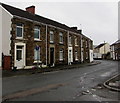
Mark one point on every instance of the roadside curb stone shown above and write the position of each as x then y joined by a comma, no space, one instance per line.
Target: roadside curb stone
109,81
52,69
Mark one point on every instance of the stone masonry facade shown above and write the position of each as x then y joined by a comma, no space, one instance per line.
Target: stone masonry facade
28,38
75,47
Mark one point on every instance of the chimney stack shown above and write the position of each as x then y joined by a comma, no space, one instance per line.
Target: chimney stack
80,31
74,28
31,9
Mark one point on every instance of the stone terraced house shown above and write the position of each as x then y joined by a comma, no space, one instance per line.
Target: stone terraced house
28,38
115,50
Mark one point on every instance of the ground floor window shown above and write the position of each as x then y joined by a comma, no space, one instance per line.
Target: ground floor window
61,55
37,53
76,55
86,55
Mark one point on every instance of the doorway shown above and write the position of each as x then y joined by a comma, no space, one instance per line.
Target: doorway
20,56
51,56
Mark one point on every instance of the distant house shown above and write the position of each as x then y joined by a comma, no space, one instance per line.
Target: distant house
101,51
115,50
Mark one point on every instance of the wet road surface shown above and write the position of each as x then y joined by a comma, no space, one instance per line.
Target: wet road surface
80,84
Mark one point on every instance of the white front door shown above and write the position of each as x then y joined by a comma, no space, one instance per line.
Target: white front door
20,56
81,56
70,55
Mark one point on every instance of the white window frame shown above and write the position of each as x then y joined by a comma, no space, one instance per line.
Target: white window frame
81,43
61,58
86,55
61,36
51,33
76,41
86,43
22,31
76,56
70,40
37,29
35,60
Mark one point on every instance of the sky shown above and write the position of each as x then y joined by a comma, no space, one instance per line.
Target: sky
98,20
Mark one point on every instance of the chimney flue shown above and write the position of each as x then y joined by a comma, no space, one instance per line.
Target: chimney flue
31,9
80,31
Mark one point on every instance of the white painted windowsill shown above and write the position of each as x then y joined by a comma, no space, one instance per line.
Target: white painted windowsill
37,40
19,37
60,59
37,61
76,45
51,41
76,59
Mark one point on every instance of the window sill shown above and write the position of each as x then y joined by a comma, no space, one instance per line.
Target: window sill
19,38
76,45
52,42
60,42
37,40
37,61
61,60
76,59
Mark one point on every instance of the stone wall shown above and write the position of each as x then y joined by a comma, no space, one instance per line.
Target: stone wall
28,39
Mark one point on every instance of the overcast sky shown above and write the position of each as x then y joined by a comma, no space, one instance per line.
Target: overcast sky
98,20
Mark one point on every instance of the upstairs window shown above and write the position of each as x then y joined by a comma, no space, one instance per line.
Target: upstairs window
86,43
70,40
51,37
86,55
76,42
61,38
61,55
81,43
37,33
19,30
76,55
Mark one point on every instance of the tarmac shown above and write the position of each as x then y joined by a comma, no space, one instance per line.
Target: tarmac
113,83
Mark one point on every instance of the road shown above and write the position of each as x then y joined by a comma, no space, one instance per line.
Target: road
80,84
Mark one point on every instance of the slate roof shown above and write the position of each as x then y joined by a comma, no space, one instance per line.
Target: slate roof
99,46
117,42
22,13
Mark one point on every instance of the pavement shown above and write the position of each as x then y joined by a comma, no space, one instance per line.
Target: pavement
113,83
10,73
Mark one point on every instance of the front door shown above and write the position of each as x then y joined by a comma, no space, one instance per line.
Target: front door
52,56
70,55
20,56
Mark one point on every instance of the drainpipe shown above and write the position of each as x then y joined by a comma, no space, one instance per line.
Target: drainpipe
81,48
46,45
104,49
68,47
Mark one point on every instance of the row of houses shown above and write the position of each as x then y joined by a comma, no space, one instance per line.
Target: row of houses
28,38
115,50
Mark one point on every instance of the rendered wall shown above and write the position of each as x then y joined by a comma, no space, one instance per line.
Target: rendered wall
6,28
0,37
